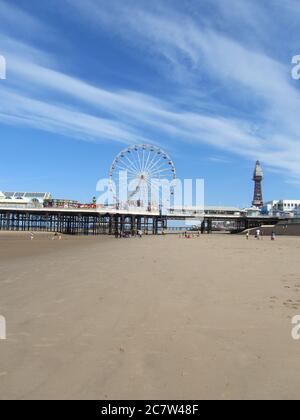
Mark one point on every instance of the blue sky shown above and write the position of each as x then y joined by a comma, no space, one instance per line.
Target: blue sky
208,80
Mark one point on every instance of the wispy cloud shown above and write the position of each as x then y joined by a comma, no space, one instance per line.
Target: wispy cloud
16,22
218,159
251,109
246,76
131,108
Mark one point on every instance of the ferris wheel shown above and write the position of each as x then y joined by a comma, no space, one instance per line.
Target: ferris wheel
145,167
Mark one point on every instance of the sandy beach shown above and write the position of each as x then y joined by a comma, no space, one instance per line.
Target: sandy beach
152,318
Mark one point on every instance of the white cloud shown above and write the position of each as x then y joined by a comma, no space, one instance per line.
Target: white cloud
251,74
18,109
271,133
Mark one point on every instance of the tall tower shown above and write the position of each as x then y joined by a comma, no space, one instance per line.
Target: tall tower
257,178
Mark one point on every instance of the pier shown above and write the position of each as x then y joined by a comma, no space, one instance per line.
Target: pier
81,222
101,221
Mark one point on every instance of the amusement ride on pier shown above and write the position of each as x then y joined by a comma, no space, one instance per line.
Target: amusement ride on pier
144,167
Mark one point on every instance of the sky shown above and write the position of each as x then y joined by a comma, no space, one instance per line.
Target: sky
209,81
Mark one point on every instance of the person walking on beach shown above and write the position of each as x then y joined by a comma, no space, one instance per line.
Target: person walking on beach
247,235
258,234
273,236
56,236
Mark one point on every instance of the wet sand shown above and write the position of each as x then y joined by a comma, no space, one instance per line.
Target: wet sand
156,318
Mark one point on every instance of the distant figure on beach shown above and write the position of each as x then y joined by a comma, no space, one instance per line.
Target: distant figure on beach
56,236
247,235
31,236
273,236
140,233
258,234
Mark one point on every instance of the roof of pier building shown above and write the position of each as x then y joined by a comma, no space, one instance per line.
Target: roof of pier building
40,196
